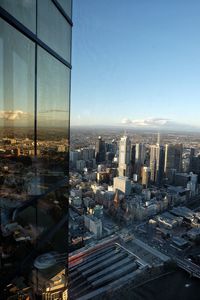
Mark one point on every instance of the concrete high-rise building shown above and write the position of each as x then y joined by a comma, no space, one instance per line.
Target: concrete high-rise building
145,174
154,161
35,56
74,156
132,161
133,150
157,159
124,156
161,165
173,159
100,151
122,184
192,161
140,155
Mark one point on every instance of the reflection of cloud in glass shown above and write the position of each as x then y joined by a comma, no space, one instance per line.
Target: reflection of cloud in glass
52,111
53,91
13,115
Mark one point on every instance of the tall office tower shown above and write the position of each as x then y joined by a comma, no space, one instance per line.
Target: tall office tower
161,166
132,162
35,60
111,147
133,150
158,139
140,152
140,155
192,152
194,163
173,159
100,150
145,174
124,156
191,160
157,159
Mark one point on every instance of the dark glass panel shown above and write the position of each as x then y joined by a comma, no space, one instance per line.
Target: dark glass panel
23,10
17,77
52,124
17,65
52,158
53,29
67,6
52,116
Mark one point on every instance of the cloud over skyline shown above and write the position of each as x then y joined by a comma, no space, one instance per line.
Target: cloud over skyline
159,123
149,122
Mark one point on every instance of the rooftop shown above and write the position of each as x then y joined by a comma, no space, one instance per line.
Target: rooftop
102,270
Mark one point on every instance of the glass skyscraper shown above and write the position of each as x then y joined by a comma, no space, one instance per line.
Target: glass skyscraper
35,64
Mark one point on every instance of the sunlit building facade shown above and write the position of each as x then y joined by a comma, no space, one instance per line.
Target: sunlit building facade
35,67
157,159
124,156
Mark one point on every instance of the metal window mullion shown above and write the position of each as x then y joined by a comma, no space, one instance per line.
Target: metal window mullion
62,11
32,36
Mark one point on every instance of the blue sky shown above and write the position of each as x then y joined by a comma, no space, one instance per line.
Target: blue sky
136,62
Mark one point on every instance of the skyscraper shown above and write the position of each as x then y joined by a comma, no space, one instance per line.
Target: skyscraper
157,157
145,174
35,59
192,160
124,156
173,159
140,155
194,163
100,150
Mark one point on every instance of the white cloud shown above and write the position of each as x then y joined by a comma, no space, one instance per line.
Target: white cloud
12,115
150,122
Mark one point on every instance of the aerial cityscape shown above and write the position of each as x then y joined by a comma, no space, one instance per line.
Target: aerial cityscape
134,195
99,166
134,151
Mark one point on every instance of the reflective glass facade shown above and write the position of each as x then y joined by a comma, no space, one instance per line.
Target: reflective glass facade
35,57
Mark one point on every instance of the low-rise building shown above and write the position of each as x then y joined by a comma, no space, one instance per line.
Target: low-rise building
94,225
194,234
122,184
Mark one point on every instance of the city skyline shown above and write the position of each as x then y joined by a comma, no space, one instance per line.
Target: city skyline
136,64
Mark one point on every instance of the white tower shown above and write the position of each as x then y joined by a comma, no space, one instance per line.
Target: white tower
124,156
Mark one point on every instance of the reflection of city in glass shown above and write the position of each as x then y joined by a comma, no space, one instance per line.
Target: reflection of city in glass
34,132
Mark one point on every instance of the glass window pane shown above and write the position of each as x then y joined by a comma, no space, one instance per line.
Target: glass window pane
17,77
52,120
23,10
52,145
67,6
17,66
53,29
